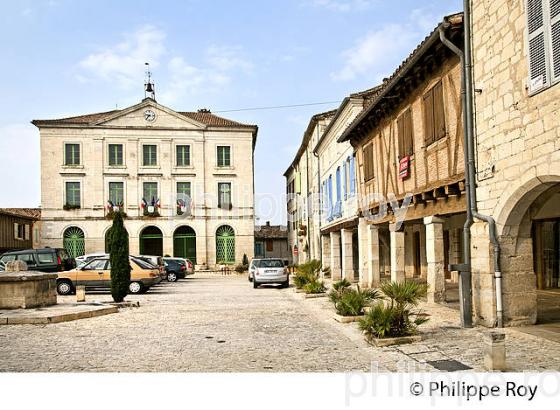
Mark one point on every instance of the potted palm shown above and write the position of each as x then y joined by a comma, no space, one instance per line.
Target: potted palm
350,303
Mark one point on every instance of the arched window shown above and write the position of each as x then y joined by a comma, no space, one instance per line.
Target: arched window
225,245
74,242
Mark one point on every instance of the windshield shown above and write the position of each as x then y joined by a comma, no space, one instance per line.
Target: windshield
270,263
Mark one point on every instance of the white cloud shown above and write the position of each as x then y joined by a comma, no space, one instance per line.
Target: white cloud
19,156
342,5
380,51
225,58
123,63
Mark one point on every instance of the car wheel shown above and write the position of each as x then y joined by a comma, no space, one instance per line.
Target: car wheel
250,278
135,287
64,287
171,277
255,284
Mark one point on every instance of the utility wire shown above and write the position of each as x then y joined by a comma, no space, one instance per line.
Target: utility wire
274,107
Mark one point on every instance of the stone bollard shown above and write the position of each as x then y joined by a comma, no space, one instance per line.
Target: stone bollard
80,293
495,351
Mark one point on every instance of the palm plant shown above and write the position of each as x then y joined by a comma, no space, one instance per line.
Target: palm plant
351,302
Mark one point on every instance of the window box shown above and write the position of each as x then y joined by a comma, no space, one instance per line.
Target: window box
113,209
183,208
150,209
70,207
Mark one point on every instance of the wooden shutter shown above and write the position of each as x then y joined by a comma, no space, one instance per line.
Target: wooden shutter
400,132
16,232
429,117
408,134
555,38
368,161
538,56
439,111
26,232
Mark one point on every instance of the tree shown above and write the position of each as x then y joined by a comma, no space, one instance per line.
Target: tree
120,264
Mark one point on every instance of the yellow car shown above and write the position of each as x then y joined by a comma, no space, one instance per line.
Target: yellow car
96,274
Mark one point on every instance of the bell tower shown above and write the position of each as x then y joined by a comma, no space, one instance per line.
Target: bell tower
149,87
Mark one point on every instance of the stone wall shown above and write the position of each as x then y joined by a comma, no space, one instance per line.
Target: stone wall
518,157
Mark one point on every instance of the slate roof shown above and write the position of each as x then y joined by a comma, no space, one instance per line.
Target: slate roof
29,213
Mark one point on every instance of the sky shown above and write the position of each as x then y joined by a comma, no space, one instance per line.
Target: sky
72,57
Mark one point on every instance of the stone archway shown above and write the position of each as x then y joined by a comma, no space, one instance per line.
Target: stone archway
151,241
184,243
517,214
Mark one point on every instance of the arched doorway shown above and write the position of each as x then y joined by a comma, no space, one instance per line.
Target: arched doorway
184,243
529,234
151,241
107,234
74,241
225,245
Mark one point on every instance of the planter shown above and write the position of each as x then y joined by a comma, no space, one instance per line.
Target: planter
314,295
346,319
391,341
299,290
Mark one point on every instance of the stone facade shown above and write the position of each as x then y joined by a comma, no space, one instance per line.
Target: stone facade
203,132
518,157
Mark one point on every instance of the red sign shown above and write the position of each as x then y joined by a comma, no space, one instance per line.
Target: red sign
295,250
404,166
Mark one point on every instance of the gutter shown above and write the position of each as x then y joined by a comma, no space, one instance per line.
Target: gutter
465,268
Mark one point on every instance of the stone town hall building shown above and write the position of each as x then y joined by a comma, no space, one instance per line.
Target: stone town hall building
183,179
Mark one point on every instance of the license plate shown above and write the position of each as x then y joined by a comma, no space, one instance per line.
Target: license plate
269,271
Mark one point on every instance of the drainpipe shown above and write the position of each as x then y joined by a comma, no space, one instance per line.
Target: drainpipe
470,184
320,207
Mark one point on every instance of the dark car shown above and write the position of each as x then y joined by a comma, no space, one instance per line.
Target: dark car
43,260
176,268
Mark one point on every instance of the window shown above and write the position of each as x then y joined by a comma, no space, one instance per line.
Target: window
96,264
353,174
338,185
150,155
183,155
434,114
73,197
368,162
543,28
71,154
45,257
27,258
115,155
116,192
269,245
345,179
150,191
20,231
404,127
183,190
224,195
224,156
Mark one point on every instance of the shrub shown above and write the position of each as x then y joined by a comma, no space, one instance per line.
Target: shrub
398,318
351,302
241,268
314,287
120,264
307,273
301,279
341,284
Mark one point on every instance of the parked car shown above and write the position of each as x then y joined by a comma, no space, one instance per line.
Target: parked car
82,260
96,274
270,271
177,268
43,260
252,267
155,261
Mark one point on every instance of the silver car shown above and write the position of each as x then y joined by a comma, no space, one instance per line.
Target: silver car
252,268
270,271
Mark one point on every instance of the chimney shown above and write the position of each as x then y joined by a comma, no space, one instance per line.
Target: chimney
267,223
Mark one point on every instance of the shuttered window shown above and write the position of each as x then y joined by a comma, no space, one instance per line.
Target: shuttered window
183,155
150,155
115,155
71,154
224,195
434,114
224,156
368,162
404,126
543,29
73,197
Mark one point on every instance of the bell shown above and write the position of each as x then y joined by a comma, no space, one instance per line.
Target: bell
149,88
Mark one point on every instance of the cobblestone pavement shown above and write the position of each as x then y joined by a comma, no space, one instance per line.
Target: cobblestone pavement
213,323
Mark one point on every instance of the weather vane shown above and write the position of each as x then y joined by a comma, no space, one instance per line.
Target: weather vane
149,88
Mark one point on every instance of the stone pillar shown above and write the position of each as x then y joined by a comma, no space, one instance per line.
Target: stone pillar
326,251
409,251
372,258
435,258
335,256
364,276
423,262
167,245
347,254
397,254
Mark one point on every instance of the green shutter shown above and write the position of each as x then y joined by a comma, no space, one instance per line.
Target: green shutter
116,192
73,194
224,156
150,191
115,155
183,155
72,154
150,155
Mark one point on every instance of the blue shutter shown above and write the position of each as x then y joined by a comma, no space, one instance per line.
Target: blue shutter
338,187
329,196
344,178
352,175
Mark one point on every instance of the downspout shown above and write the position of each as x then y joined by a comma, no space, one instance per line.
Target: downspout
307,204
470,184
320,207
